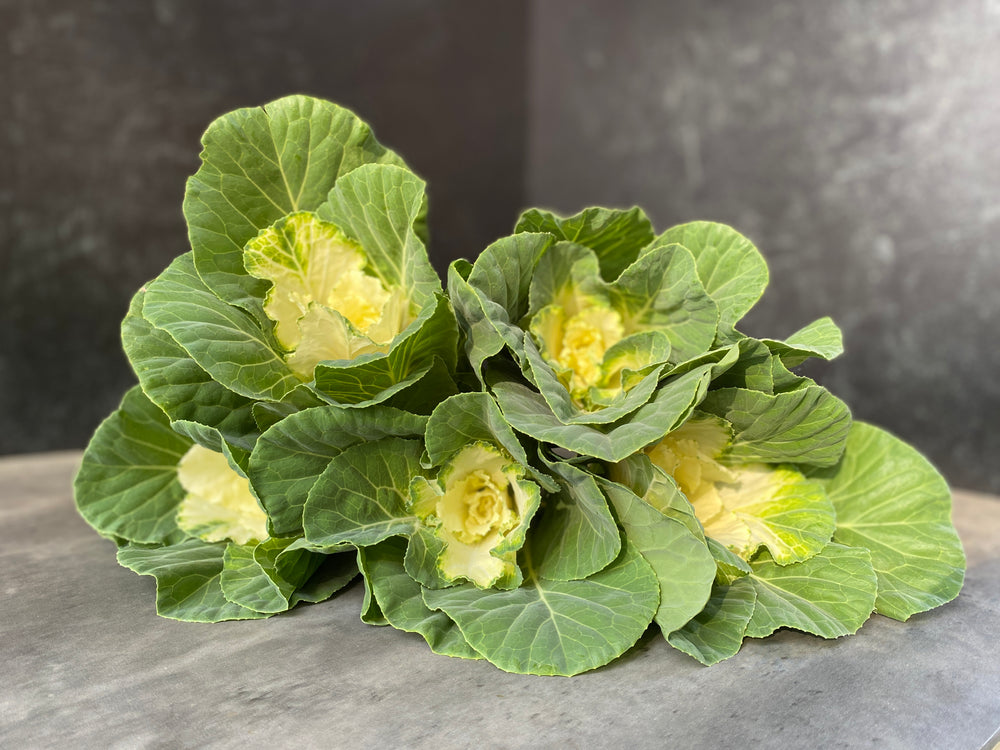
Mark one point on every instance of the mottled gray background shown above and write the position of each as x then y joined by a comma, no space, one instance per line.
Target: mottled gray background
855,142
105,101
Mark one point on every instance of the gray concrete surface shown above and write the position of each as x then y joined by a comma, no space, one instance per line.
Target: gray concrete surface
88,664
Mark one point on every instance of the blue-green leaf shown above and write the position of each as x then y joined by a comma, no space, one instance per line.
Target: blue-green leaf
892,502
361,497
127,483
400,601
259,164
556,627
188,580
729,266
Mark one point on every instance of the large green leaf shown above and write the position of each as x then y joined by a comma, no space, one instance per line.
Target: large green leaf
188,580
264,577
682,563
615,235
527,412
361,497
127,483
663,494
576,535
501,277
224,340
808,425
291,455
259,164
467,418
830,594
661,291
333,574
730,267
400,601
380,206
759,369
480,337
716,633
423,394
179,386
556,627
564,271
891,501
821,338
372,378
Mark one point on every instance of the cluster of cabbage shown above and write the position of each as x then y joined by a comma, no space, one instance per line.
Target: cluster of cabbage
572,442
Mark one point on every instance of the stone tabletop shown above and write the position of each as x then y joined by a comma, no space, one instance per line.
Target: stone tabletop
87,663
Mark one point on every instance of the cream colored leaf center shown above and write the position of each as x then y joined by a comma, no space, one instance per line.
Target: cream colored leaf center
219,505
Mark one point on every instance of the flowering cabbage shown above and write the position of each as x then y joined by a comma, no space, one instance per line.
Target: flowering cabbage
187,515
576,441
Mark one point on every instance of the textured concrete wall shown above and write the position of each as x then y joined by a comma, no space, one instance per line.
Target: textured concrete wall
104,104
855,142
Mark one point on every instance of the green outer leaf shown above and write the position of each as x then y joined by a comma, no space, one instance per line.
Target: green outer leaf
333,574
716,633
576,535
563,266
615,235
188,578
427,391
399,598
467,418
830,594
373,378
682,563
821,338
263,577
127,483
480,337
634,472
421,561
661,291
663,494
527,412
730,566
891,501
501,277
729,266
556,627
807,426
268,413
182,389
291,455
258,165
760,370
380,206
224,341
361,496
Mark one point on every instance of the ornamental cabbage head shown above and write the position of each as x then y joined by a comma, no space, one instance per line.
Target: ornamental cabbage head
326,300
186,514
744,506
308,280
479,509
